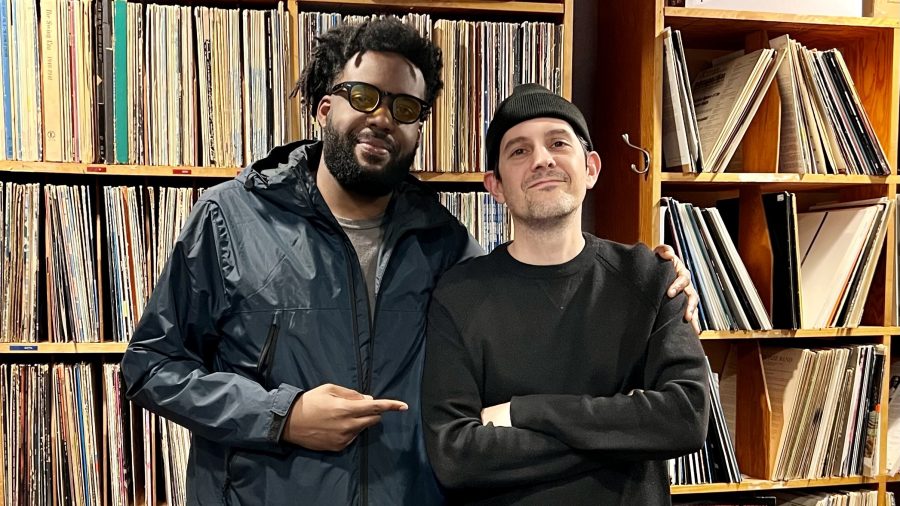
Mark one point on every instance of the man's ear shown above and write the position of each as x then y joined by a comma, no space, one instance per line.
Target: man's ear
493,185
323,109
592,162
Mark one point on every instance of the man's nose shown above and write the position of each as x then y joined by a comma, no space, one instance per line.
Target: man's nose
543,158
381,117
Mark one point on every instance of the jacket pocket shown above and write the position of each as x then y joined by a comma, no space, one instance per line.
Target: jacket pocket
267,355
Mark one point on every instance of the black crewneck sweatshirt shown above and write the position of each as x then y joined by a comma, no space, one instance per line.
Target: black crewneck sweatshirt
605,379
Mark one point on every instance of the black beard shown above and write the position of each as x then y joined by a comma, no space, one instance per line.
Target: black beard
340,158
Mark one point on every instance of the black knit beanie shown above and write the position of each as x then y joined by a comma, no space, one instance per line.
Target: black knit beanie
529,101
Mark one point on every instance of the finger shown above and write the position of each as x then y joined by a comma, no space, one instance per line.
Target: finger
693,297
665,252
691,306
678,286
680,269
363,422
695,322
383,405
344,393
690,313
377,406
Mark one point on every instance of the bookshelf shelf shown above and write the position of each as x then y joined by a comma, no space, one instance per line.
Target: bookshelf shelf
727,30
767,181
794,21
801,334
68,348
450,177
99,169
440,6
752,484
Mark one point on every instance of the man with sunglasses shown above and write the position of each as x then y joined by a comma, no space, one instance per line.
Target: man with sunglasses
287,331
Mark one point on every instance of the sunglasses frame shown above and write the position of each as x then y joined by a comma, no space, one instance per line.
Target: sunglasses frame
346,86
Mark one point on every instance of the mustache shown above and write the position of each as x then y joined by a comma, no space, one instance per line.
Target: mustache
547,174
370,135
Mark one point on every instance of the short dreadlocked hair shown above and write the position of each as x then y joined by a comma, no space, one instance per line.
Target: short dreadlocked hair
335,47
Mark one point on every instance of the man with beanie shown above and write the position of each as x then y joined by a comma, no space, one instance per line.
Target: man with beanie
557,369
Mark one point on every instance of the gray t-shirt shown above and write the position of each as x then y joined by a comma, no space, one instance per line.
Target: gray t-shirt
366,237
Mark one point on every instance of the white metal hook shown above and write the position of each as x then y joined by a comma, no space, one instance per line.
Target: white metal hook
643,151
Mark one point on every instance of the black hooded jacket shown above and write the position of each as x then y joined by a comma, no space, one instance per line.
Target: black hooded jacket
262,299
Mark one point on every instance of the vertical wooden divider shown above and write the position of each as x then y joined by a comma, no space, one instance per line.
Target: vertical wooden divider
754,246
294,109
753,442
568,38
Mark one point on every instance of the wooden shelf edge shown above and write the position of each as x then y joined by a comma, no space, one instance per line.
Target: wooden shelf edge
769,178
752,484
69,348
100,169
708,335
445,6
450,177
210,172
775,17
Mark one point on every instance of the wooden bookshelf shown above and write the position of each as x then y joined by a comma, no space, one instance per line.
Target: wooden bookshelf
792,23
64,348
877,332
553,11
773,178
440,6
561,11
752,484
626,204
99,169
768,181
450,177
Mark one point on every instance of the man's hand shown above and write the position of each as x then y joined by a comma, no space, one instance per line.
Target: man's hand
498,415
682,283
329,417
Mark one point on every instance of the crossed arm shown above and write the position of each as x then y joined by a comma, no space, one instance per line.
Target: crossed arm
535,438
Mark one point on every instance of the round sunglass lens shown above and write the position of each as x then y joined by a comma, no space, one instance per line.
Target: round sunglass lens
364,98
406,110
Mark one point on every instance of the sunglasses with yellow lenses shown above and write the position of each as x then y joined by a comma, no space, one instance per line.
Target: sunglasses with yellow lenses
365,97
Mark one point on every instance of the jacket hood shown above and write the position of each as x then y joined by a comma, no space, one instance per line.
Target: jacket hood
286,177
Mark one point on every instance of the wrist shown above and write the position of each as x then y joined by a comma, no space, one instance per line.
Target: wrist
288,434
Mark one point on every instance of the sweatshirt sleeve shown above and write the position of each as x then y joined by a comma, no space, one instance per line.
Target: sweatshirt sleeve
166,366
463,452
666,419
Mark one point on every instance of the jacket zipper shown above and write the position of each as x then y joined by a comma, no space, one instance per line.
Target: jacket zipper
267,355
365,383
228,456
364,440
367,388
